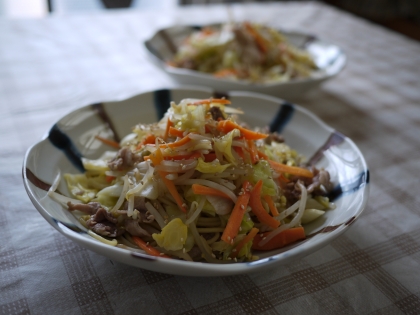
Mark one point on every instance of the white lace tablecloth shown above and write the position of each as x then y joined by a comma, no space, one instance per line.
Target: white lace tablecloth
51,66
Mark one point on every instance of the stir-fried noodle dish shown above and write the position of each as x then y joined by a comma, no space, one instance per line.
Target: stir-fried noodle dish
199,185
244,51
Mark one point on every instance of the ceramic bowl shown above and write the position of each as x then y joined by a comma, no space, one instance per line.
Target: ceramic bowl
330,59
70,138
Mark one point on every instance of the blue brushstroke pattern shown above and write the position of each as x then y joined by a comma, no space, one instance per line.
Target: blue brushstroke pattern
61,141
162,100
350,186
284,115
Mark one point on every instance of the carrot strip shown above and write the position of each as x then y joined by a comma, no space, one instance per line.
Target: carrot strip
157,158
175,132
248,238
280,240
210,157
225,72
174,192
257,37
147,248
235,219
253,151
212,100
109,142
169,124
175,144
293,170
262,155
109,178
240,152
258,209
284,178
194,155
228,125
271,205
204,190
149,139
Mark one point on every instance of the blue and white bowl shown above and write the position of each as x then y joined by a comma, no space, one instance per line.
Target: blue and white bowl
329,58
71,138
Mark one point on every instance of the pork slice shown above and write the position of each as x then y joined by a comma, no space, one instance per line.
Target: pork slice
90,208
125,159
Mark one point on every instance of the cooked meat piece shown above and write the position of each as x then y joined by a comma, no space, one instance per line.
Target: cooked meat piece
274,137
133,227
320,183
216,113
251,55
103,215
125,159
104,223
106,229
89,208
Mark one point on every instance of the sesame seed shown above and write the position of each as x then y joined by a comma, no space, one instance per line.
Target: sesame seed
183,250
235,259
161,254
240,228
182,239
213,255
264,238
234,250
242,207
228,238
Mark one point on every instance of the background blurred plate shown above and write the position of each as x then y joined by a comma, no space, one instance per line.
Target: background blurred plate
162,47
73,136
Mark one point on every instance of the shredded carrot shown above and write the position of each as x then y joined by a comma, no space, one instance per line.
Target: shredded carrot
262,155
174,192
229,125
204,190
212,100
253,151
175,132
293,170
109,178
225,72
240,152
248,238
257,37
194,155
109,142
169,125
157,158
210,157
207,31
149,139
148,248
178,143
284,178
258,209
235,219
280,240
271,205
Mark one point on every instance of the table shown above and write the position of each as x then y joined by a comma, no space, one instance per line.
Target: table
51,66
